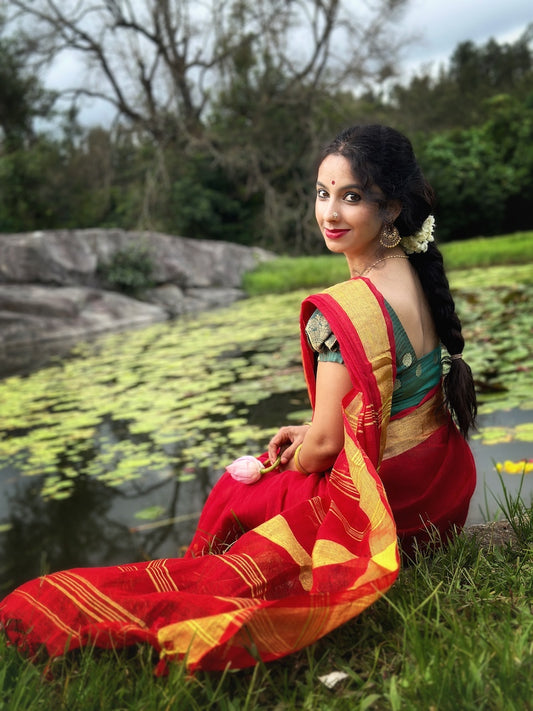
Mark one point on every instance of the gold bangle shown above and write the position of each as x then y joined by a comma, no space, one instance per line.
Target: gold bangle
297,464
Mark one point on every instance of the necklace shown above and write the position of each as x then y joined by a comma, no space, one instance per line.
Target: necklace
391,256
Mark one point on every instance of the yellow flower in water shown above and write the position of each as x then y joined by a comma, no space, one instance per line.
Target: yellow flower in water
524,466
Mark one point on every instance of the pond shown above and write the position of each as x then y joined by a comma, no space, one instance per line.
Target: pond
108,455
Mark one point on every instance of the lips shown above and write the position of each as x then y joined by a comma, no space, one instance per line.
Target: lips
334,234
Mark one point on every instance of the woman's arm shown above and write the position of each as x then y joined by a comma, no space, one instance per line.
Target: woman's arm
322,442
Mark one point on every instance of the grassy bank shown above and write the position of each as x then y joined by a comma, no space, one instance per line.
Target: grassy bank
455,632
288,273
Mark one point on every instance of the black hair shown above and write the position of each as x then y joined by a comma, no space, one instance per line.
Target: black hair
383,157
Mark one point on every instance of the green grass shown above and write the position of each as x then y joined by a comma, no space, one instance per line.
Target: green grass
285,274
489,251
454,632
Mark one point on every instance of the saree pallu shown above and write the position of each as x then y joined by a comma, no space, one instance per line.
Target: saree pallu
273,566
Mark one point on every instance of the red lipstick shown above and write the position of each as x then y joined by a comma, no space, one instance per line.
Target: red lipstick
334,234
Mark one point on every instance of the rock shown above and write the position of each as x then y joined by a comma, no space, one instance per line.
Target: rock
53,286
171,297
74,258
58,258
212,298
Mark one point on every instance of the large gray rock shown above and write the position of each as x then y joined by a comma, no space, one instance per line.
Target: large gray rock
73,258
53,287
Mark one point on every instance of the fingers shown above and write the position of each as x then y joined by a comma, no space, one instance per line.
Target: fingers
284,443
277,443
288,452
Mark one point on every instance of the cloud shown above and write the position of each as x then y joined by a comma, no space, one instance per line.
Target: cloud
441,26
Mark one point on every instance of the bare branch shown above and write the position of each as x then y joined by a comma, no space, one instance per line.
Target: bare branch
152,59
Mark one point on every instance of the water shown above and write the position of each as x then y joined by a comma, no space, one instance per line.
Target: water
484,505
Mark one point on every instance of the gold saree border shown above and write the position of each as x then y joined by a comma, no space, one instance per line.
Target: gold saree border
416,426
362,307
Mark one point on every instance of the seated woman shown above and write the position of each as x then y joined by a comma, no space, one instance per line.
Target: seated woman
277,564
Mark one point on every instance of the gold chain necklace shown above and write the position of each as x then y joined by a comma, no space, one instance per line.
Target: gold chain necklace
391,256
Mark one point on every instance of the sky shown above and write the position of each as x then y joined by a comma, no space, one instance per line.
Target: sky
443,24
440,25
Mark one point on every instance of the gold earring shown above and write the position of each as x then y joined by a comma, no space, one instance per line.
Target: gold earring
390,237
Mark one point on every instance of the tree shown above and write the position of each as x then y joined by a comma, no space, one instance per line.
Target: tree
483,175
230,93
23,100
455,97
22,96
155,59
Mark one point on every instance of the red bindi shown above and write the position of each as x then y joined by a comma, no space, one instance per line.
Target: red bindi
333,182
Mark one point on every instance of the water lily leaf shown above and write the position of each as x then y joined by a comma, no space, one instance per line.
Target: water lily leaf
524,432
496,435
150,513
186,477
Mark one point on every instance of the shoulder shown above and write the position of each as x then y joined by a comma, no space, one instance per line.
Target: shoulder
341,295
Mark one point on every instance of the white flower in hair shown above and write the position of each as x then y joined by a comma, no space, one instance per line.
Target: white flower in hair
420,240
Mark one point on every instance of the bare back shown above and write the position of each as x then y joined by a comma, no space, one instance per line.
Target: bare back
398,282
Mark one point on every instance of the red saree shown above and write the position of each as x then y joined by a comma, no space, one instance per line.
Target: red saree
275,565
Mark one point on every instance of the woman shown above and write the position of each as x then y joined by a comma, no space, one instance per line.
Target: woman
277,564
371,201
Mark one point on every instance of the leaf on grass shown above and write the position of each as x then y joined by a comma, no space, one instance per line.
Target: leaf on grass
333,678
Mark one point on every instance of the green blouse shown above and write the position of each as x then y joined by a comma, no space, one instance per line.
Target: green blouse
415,377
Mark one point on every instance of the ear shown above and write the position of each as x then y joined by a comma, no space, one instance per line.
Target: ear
393,209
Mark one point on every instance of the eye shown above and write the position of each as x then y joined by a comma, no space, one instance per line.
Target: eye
321,193
352,197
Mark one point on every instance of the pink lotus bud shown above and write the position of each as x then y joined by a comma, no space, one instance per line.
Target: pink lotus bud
246,469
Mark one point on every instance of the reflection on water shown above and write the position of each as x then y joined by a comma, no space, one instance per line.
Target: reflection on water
96,524
87,520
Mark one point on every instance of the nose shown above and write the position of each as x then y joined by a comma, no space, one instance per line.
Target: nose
333,216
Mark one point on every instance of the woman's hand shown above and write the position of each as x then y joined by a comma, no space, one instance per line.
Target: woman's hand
325,439
285,441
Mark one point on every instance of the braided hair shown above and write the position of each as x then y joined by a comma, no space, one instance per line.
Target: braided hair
381,156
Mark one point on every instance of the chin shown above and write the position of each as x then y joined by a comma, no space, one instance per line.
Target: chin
333,247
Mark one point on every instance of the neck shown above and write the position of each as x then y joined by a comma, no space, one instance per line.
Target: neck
361,267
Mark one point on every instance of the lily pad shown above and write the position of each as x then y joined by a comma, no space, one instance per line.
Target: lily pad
151,513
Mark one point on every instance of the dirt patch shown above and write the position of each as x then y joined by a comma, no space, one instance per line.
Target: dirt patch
492,535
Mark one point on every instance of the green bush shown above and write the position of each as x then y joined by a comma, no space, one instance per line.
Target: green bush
129,270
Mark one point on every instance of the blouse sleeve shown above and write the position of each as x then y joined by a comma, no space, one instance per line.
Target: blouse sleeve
322,339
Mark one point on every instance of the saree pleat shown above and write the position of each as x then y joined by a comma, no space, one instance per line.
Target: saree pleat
273,566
